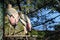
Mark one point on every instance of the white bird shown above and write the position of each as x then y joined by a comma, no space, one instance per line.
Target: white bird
14,18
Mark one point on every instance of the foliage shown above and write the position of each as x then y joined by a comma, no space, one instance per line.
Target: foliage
32,6
1,21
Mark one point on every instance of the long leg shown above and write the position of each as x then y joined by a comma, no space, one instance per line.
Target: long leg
25,30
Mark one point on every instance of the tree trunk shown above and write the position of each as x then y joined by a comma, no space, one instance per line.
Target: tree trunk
18,2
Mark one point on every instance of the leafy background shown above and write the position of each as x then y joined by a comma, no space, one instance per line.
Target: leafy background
34,8
1,21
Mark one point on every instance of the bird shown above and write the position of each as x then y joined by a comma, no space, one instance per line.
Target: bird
14,18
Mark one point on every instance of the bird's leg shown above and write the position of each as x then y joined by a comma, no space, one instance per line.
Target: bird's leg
14,29
25,30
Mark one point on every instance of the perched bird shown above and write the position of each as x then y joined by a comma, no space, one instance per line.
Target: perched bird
14,18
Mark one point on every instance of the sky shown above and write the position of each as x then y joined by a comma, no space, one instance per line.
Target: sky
43,15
